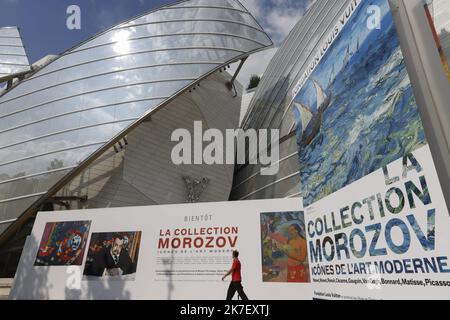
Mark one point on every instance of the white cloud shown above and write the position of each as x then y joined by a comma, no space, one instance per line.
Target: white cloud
281,23
277,17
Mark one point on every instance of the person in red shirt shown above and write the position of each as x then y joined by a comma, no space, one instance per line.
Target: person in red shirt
236,279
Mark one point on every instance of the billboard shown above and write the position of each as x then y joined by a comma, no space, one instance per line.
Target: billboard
359,103
174,252
375,212
384,236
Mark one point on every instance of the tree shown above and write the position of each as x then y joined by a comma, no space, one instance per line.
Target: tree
55,164
254,82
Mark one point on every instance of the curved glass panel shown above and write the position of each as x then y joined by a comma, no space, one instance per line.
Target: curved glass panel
59,141
86,73
8,209
122,63
9,32
11,69
83,117
115,95
14,59
201,13
12,50
141,45
73,107
12,54
178,27
32,185
91,85
11,42
213,3
46,162
25,124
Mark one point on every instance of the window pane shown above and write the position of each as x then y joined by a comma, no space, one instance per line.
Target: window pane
46,162
171,14
9,32
178,27
30,185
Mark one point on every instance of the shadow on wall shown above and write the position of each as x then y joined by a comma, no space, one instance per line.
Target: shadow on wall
33,282
99,290
30,283
168,264
102,290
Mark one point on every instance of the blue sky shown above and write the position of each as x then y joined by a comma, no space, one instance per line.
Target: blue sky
43,22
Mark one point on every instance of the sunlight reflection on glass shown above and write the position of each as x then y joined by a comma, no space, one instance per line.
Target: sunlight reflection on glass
122,45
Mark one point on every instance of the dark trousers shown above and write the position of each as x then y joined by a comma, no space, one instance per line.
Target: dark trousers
236,286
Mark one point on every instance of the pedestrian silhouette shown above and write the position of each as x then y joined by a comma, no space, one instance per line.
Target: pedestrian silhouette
236,279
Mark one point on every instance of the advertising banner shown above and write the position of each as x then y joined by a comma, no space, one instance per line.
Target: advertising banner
384,236
375,213
359,102
167,252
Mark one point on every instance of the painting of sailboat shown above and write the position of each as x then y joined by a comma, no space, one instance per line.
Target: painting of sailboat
357,111
313,127
303,114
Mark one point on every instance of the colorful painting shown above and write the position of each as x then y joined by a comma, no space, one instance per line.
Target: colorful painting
113,255
284,248
63,243
359,104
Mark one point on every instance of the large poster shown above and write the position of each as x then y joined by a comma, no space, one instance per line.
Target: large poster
383,237
360,109
375,214
174,252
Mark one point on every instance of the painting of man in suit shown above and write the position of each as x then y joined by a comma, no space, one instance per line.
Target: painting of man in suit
113,255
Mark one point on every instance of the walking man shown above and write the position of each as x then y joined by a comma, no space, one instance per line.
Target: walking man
236,279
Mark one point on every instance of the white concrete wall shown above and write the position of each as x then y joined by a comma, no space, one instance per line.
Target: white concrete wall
143,173
150,145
